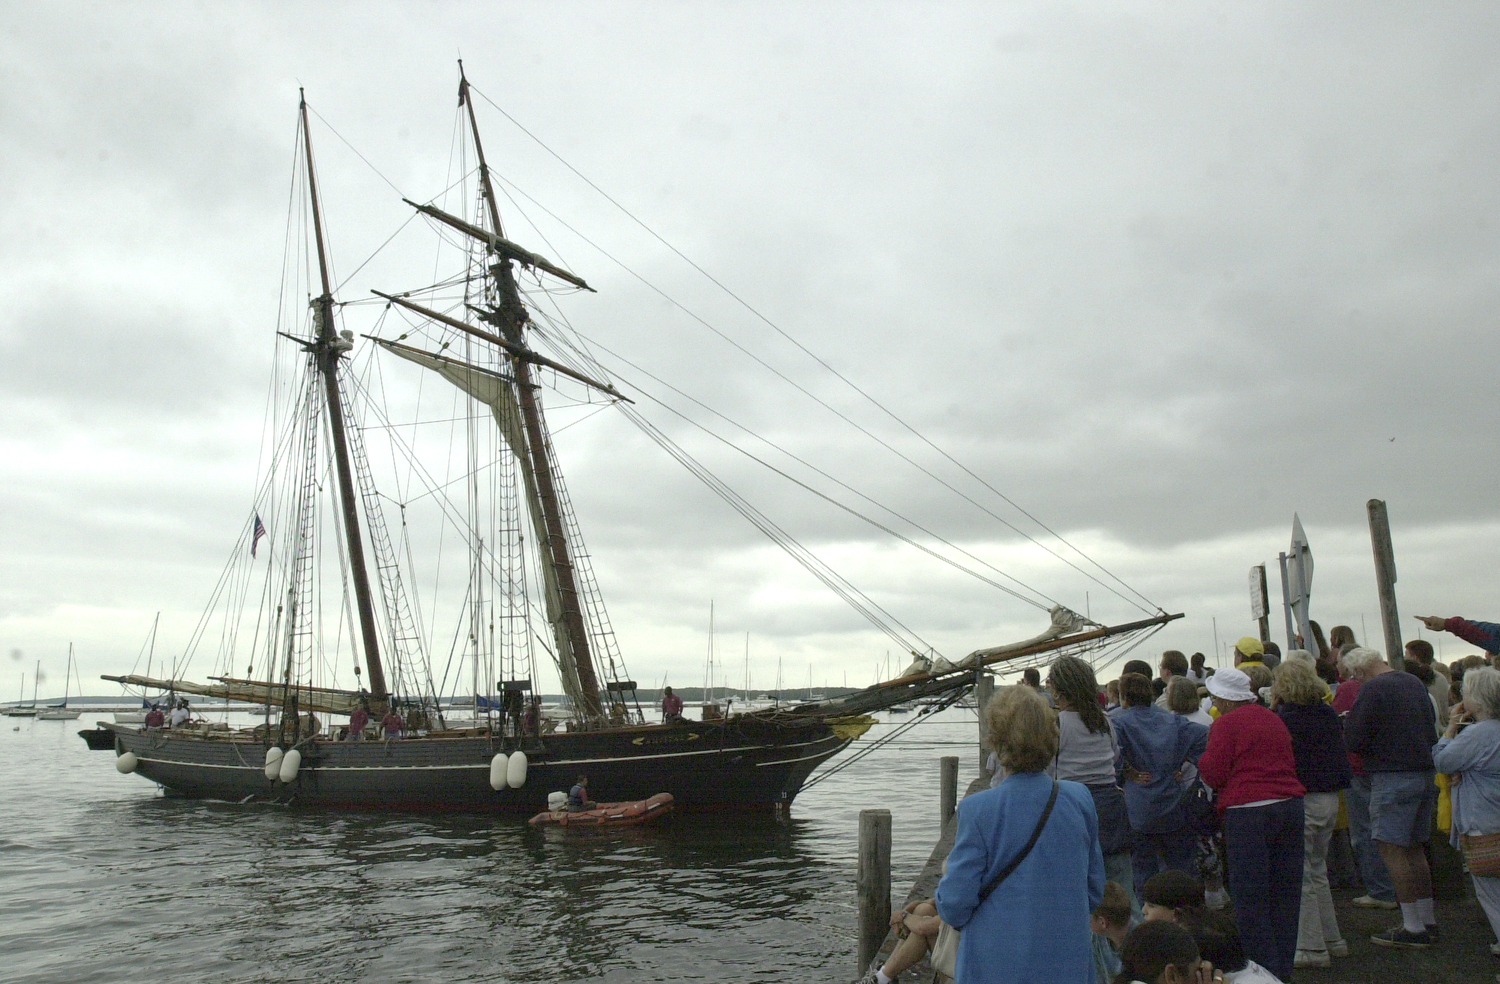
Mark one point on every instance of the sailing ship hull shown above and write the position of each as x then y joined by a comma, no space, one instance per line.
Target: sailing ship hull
703,766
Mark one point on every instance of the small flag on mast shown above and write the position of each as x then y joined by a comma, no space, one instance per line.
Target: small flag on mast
256,532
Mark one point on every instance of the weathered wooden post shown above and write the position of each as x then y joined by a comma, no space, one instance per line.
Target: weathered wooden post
948,787
984,689
1385,581
873,884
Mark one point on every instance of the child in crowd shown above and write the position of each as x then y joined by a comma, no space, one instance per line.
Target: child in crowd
1110,922
1163,953
1171,896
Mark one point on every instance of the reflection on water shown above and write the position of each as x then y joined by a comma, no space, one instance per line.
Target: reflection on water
104,879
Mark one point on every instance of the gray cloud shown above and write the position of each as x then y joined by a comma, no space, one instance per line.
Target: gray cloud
1164,276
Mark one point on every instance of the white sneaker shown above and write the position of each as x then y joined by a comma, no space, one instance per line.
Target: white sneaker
1495,949
1312,958
1216,899
1366,902
1339,948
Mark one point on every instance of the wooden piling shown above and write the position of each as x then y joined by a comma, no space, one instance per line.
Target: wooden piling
984,689
948,787
1385,581
873,884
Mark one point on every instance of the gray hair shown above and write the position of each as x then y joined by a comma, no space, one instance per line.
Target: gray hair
1481,692
1300,654
1358,658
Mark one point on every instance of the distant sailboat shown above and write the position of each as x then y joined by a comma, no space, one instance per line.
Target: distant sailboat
18,709
61,712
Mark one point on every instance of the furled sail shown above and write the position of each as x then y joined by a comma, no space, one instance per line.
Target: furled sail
321,699
1065,621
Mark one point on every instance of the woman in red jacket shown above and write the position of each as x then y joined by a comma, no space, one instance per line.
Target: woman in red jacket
1250,764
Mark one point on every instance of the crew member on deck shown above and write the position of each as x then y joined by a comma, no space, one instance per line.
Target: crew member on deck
155,718
392,724
671,707
181,714
359,719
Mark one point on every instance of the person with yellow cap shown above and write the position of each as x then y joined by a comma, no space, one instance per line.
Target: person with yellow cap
1248,651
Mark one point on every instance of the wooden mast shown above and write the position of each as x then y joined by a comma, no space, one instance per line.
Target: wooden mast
511,318
328,348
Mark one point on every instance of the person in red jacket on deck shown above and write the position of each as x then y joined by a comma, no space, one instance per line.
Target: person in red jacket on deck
1249,762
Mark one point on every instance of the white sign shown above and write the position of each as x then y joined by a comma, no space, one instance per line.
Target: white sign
1258,591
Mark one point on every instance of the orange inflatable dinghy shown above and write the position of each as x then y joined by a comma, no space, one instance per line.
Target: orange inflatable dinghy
609,814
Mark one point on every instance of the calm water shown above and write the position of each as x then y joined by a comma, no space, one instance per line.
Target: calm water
103,879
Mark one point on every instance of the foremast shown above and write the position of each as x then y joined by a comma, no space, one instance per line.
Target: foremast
327,349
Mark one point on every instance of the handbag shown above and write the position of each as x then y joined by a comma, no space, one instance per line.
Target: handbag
1198,806
944,957
1481,854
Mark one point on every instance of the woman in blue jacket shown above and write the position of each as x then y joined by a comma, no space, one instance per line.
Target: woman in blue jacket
1154,746
1034,926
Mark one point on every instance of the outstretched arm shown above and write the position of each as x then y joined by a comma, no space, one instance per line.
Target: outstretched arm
1485,635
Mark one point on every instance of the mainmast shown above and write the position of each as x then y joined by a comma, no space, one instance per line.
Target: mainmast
328,348
510,317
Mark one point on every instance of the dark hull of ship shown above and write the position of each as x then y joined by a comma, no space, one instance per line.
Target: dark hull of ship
748,766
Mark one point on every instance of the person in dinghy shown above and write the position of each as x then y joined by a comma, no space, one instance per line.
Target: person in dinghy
578,796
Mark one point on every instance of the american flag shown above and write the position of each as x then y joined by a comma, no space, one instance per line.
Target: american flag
256,532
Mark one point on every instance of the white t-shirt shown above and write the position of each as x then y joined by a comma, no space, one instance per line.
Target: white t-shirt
1252,973
180,715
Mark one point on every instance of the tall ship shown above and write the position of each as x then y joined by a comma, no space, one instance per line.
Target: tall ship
321,581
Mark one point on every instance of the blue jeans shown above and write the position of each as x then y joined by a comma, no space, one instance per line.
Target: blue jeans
1264,845
1150,853
1372,870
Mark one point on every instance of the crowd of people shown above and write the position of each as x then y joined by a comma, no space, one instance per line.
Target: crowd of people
1177,825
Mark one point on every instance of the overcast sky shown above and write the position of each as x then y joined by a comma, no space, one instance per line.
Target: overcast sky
1162,274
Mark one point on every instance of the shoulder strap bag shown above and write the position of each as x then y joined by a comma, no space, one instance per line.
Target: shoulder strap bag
945,949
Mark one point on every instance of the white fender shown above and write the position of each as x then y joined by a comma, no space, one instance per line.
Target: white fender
290,763
498,771
515,771
273,763
126,763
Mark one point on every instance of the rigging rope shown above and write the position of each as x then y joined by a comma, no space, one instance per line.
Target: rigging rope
838,413
825,365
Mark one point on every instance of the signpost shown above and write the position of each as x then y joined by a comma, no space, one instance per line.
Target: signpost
1286,605
1299,562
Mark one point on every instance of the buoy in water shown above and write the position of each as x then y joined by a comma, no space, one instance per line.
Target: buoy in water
273,763
126,763
498,771
515,770
290,763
